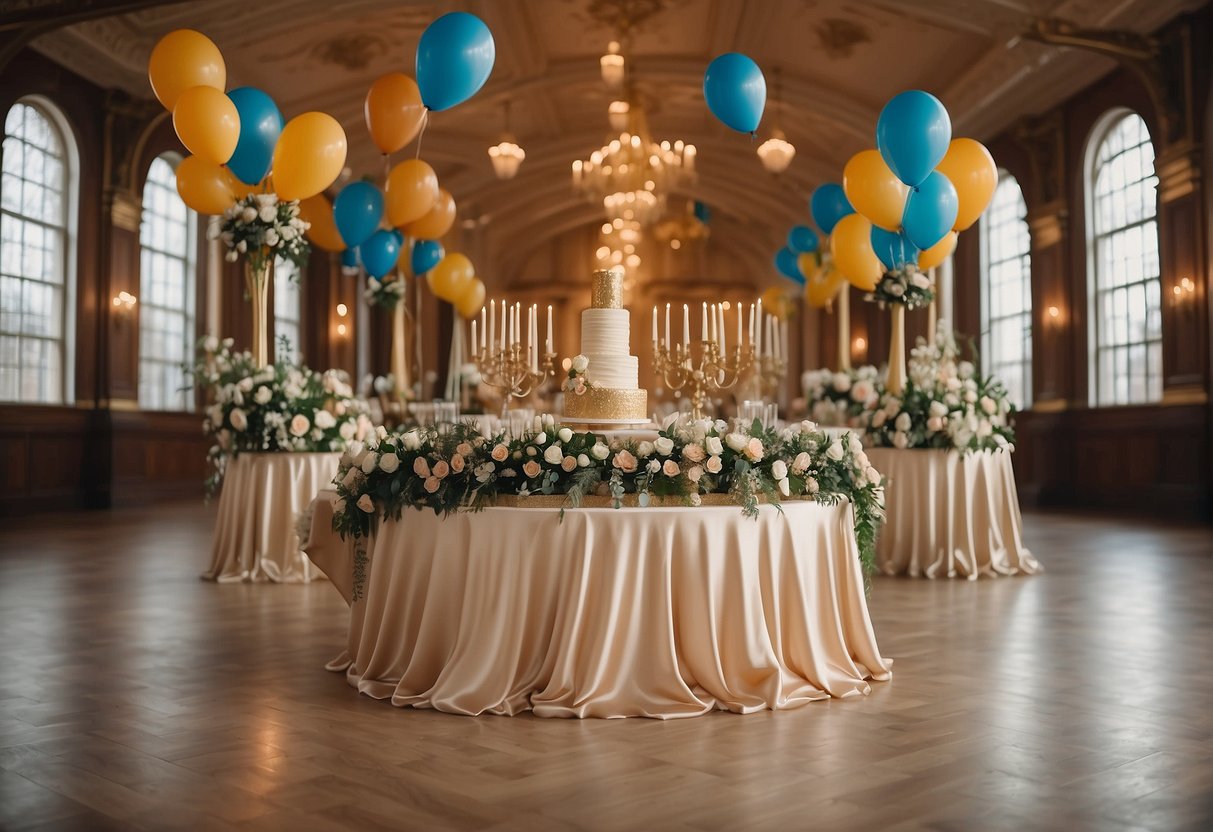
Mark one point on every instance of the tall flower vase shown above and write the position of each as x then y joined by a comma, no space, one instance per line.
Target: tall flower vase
896,383
258,271
400,364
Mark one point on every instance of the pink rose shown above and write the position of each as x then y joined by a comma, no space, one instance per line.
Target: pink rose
463,449
714,465
457,463
501,453
693,453
420,467
441,469
624,461
531,469
670,468
432,484
753,449
694,473
569,463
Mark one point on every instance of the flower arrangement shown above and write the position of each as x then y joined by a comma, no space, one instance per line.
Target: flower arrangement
384,293
576,382
839,398
905,286
261,226
945,405
279,407
458,469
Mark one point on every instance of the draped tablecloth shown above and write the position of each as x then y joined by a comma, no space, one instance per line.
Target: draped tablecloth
950,515
255,532
658,612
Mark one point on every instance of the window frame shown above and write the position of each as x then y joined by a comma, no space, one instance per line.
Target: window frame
987,321
297,321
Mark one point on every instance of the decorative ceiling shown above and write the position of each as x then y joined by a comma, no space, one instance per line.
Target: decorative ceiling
840,61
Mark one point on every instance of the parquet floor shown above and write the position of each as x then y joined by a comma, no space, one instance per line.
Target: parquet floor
134,696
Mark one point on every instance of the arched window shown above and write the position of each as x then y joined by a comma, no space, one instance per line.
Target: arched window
166,291
1006,291
1125,302
288,304
36,264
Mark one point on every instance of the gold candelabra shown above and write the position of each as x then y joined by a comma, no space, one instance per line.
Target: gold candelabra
714,372
511,370
771,372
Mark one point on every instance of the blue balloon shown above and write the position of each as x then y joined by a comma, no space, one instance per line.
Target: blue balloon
454,58
380,253
260,125
893,248
736,91
786,264
357,211
802,239
350,261
828,205
703,213
913,134
931,210
426,254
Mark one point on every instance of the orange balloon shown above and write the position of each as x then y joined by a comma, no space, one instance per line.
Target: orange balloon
318,212
809,262
239,189
450,278
309,155
411,192
435,223
204,186
937,253
971,168
207,123
394,111
851,245
472,299
183,59
823,287
874,190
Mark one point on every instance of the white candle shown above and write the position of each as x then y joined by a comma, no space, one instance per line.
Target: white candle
483,331
723,338
751,324
534,337
761,322
512,330
550,328
474,342
654,329
667,326
686,326
492,323
739,343
703,326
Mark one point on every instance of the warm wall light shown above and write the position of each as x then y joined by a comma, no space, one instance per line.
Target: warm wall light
1184,291
124,303
859,347
341,329
342,310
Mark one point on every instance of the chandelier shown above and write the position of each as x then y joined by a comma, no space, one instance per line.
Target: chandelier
776,153
506,156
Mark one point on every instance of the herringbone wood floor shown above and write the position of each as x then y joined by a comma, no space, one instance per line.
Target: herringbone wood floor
134,696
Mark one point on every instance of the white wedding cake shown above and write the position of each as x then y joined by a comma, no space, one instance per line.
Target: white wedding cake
612,394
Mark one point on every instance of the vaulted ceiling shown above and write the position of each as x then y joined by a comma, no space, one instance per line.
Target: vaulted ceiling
839,61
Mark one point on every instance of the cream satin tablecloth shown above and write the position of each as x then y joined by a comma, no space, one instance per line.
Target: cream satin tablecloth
658,612
263,494
950,515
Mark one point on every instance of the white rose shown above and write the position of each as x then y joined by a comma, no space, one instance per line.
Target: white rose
970,396
248,214
580,363
263,395
565,435
812,486
713,445
841,382
872,475
388,463
784,487
896,290
267,214
664,445
324,420
713,465
779,469
541,438
934,424
600,451
984,429
238,419
737,441
965,369
583,461
802,462
654,466
938,409
271,237
644,449
900,440
347,430
366,504
921,281
904,422
988,405
879,418
369,462
411,440
854,444
835,451
553,455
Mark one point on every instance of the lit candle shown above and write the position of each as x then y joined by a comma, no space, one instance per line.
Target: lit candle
720,323
654,329
686,326
751,324
512,330
703,326
483,331
761,322
473,334
534,337
739,344
667,326
493,323
550,328
504,324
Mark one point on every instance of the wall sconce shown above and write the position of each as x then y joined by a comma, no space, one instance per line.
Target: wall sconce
342,311
859,348
1183,292
1053,318
124,305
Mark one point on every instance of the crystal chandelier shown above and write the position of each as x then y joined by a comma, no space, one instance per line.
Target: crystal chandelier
506,156
776,153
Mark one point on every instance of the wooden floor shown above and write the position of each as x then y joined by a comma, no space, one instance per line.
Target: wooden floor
134,696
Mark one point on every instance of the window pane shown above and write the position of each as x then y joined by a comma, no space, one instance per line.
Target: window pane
1126,290
1007,291
287,308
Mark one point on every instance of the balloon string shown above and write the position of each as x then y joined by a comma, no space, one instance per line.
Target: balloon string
425,121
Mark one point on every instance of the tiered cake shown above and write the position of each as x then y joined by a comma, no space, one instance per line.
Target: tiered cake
613,395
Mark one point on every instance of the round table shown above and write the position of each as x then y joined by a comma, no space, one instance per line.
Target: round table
657,612
261,499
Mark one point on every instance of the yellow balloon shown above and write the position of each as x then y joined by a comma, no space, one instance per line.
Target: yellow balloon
449,278
823,287
204,186
207,123
239,189
851,246
971,169
808,262
318,212
937,253
181,60
411,192
394,111
309,155
437,221
874,190
471,300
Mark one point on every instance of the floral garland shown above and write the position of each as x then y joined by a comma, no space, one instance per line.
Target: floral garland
262,226
384,293
458,469
577,382
945,405
280,407
840,398
906,286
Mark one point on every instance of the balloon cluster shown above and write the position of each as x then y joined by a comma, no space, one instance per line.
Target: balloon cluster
454,59
238,140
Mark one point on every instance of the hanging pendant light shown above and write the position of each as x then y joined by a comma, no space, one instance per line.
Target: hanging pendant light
507,155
